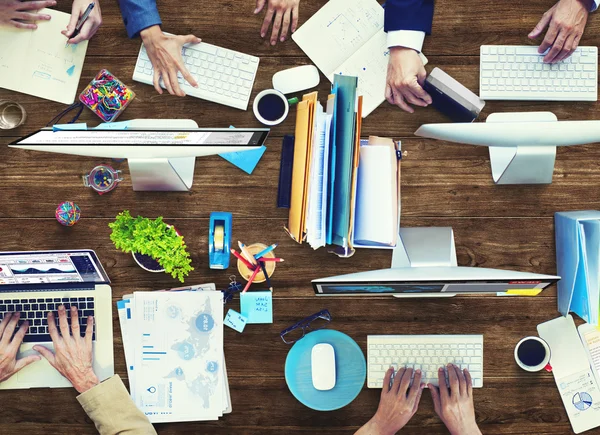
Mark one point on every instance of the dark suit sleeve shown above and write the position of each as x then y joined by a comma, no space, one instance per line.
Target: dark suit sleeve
408,15
139,15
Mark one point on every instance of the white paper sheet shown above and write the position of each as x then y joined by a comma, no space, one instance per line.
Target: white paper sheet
376,189
178,341
574,377
38,62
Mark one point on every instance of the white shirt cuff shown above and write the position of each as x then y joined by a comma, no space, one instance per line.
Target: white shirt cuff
595,5
408,38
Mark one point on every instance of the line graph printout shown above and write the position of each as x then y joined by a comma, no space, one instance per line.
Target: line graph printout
38,62
338,30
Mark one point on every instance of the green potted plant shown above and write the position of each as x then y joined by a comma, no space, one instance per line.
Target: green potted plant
155,246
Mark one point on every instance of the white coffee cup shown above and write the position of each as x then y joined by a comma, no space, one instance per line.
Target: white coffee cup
525,354
281,109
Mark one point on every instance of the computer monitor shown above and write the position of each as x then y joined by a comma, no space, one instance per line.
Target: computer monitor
161,153
424,265
522,145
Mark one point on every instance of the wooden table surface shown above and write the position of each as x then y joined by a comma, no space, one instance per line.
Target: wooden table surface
443,184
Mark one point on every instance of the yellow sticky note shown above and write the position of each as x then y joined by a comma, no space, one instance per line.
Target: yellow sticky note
527,292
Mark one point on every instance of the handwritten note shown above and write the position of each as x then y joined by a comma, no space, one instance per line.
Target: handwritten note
257,307
235,320
38,62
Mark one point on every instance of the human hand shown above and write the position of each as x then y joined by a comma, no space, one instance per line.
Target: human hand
14,12
164,51
9,346
566,22
91,25
398,403
281,13
455,407
72,355
405,77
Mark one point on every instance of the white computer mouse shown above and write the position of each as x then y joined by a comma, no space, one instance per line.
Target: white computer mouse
323,366
296,79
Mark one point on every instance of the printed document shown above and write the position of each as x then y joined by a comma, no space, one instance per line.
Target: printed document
178,367
346,37
573,375
38,62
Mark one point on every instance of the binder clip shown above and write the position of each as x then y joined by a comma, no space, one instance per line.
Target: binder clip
219,240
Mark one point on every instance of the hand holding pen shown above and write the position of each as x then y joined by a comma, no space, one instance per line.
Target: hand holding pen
86,18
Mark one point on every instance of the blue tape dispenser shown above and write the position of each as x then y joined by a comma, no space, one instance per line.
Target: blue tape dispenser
219,239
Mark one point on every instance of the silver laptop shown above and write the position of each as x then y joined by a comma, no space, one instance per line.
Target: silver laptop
34,283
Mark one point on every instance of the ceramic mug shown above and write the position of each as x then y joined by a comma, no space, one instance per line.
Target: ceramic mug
271,107
532,354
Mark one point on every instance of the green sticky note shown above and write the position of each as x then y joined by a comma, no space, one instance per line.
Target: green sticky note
257,307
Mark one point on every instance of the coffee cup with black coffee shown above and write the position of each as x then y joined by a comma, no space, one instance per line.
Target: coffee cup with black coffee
271,107
533,354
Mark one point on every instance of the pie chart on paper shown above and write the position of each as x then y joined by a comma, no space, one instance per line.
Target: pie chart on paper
582,401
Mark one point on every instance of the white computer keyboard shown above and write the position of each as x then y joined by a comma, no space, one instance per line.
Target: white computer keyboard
514,72
425,352
224,76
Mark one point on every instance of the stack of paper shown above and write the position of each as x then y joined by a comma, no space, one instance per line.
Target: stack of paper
173,343
344,192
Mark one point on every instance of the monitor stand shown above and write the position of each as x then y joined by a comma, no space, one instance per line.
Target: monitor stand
523,164
425,247
162,175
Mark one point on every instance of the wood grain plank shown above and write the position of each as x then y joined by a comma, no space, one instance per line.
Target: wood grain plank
386,120
265,406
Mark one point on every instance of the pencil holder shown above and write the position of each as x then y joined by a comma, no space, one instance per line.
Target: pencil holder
246,273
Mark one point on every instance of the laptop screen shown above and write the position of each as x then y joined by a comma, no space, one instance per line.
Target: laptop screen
50,267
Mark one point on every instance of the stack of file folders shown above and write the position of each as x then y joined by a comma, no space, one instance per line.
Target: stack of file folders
578,263
345,191
173,343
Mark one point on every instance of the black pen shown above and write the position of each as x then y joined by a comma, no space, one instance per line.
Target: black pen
81,21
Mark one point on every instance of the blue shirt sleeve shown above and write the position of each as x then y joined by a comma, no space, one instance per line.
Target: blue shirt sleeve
408,15
139,15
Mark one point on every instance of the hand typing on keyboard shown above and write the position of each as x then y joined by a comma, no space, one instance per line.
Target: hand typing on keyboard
9,346
398,403
566,22
454,405
72,355
164,52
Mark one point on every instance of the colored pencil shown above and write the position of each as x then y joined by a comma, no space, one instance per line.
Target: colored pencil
242,259
265,251
247,253
277,260
251,279
264,270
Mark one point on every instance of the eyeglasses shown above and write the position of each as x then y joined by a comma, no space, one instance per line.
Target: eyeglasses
311,323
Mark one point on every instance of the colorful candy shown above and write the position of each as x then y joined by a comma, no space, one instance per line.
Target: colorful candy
106,96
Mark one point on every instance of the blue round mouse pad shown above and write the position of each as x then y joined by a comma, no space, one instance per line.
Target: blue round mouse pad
350,371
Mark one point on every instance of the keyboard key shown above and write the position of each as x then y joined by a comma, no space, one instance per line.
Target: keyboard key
11,308
40,337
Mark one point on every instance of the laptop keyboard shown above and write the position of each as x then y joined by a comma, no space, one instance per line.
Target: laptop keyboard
36,312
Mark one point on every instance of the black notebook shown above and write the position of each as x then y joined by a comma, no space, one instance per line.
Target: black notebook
284,192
